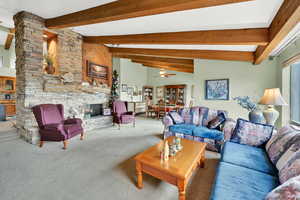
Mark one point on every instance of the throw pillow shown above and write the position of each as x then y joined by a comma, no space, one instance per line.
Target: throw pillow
217,121
250,133
177,119
288,190
206,115
281,142
291,168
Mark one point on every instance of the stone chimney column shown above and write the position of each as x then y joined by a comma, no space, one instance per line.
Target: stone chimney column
29,65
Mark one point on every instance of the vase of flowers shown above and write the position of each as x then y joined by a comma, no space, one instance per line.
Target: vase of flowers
50,69
255,114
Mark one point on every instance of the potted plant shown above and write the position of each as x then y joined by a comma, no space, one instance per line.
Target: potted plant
255,114
50,69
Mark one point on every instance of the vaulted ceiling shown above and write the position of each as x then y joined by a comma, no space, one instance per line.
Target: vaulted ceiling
222,29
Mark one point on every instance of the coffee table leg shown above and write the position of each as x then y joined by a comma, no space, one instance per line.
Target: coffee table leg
139,174
181,189
202,160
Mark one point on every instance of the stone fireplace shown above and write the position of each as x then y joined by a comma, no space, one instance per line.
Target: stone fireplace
34,87
96,110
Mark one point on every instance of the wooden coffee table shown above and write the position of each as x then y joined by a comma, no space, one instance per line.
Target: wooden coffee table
177,170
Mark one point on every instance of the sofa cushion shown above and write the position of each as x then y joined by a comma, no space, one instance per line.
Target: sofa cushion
216,122
247,156
282,141
183,128
291,168
288,190
177,119
204,132
233,182
253,134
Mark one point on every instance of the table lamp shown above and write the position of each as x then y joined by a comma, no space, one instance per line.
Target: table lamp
272,97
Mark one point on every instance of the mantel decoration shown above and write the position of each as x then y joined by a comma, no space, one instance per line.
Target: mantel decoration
255,114
48,60
114,88
67,78
217,89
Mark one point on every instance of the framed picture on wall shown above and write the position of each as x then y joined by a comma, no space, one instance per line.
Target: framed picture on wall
130,91
217,89
124,87
160,92
97,71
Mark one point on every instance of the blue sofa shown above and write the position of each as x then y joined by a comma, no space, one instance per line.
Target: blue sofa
244,173
195,127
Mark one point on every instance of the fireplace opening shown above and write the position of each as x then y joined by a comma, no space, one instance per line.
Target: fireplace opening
96,110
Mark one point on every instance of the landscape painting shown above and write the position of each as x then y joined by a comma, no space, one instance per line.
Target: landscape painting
217,89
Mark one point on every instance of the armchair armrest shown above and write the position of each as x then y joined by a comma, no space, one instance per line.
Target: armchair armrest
73,121
228,128
167,121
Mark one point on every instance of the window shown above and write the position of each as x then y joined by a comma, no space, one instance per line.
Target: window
295,92
1,61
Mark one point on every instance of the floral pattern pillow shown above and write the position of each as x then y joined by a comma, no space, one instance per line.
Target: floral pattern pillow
290,190
250,133
185,113
291,168
177,119
282,141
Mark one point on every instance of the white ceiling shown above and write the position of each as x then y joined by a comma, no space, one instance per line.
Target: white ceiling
254,14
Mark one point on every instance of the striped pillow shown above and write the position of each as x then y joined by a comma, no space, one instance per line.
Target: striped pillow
282,141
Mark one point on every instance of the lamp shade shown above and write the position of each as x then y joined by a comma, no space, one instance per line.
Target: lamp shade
272,97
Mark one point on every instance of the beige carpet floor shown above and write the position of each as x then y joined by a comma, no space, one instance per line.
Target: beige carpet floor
100,167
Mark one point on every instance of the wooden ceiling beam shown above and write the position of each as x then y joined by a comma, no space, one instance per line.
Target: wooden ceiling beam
160,60
256,36
164,64
286,19
126,9
182,53
9,39
168,68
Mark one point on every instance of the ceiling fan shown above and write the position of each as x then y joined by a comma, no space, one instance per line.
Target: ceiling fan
164,74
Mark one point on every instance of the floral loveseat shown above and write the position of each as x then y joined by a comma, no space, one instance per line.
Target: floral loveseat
194,127
259,172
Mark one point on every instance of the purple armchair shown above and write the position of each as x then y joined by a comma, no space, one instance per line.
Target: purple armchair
53,126
121,115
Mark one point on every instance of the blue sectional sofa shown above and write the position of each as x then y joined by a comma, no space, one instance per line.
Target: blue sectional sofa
244,173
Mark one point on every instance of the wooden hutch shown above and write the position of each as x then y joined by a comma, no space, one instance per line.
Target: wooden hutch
7,93
175,94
